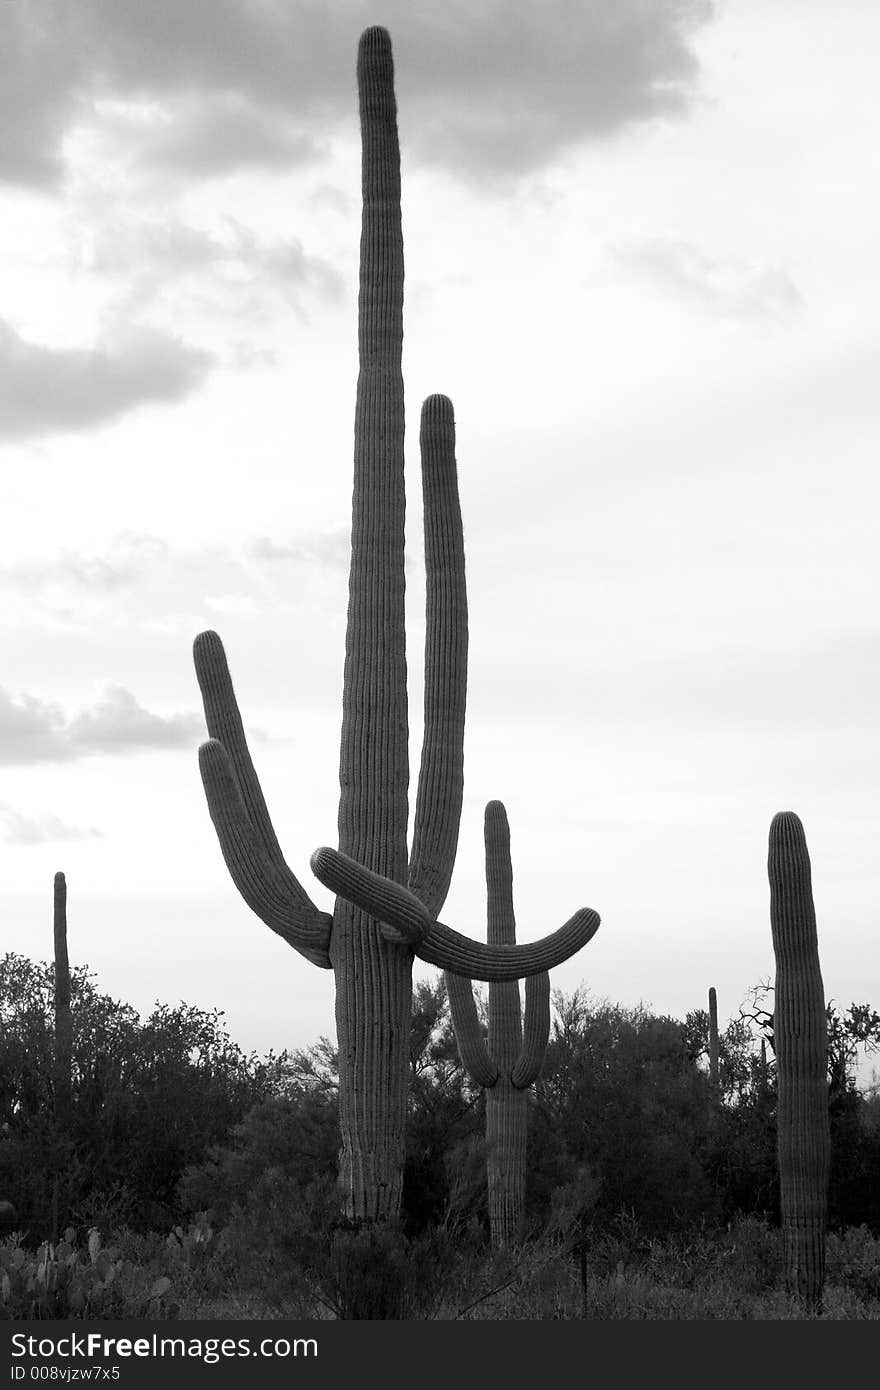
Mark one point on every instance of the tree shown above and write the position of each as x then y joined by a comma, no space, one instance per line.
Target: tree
146,1099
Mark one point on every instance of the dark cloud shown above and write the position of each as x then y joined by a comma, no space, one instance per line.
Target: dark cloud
731,289
34,731
490,90
230,271
18,829
46,390
223,134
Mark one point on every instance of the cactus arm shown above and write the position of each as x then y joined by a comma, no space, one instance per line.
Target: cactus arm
536,1032
400,913
801,1041
505,1015
263,880
468,1034
441,775
224,724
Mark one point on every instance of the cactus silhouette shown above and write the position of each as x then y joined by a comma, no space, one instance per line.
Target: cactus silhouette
387,900
512,1060
63,1021
801,1045
713,1038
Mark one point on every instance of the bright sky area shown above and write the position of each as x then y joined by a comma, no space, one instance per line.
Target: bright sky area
642,258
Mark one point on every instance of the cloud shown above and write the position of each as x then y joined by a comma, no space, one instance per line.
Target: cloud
728,288
222,135
45,390
489,90
162,253
795,686
34,731
18,829
330,549
130,557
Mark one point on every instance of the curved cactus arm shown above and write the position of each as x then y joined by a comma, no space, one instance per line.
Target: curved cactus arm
401,914
468,1034
536,1032
403,918
441,775
225,726
266,885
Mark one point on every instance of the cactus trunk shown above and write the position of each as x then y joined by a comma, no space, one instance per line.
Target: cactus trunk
510,1060
506,1112
801,1045
713,1039
374,979
63,1022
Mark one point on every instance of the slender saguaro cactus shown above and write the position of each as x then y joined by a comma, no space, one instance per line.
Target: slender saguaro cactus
801,1044
369,942
63,1022
512,1060
713,1038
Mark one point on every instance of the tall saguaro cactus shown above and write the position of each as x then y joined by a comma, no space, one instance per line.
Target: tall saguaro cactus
801,1044
713,1038
387,899
63,1020
512,1061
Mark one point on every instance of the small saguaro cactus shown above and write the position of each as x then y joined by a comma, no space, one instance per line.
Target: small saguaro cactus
801,1045
713,1038
387,898
512,1060
63,1021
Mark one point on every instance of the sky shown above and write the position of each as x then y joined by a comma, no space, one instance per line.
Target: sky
641,257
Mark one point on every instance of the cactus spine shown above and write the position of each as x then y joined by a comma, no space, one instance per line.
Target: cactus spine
801,1045
512,1060
387,900
713,1038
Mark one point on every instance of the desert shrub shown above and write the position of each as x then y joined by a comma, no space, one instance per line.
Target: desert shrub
148,1098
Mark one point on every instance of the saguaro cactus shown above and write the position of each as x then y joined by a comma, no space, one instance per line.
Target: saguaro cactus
713,1038
801,1045
63,1021
512,1060
369,942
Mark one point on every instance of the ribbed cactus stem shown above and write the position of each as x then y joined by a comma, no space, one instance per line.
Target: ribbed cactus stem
713,1038
508,1063
63,1020
801,1045
374,977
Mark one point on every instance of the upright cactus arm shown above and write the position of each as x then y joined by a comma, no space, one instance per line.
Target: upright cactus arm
266,883
536,1032
402,915
241,819
468,1034
441,775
